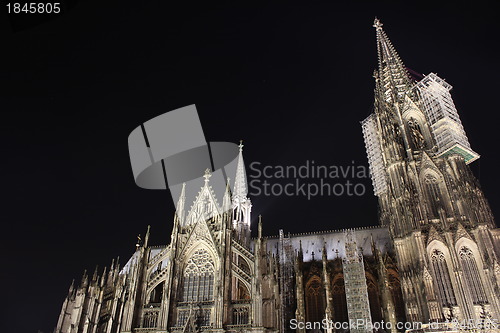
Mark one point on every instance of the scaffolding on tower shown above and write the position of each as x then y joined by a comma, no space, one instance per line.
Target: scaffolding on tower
374,152
443,118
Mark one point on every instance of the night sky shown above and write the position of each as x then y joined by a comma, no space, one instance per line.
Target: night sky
293,80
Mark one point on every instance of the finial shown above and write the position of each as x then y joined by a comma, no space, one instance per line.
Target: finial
207,175
139,239
241,145
146,239
377,24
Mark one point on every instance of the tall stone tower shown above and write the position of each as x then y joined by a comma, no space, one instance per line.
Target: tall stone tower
440,222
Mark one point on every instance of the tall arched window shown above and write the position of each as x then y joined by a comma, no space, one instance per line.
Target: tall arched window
339,300
373,297
315,300
199,278
442,279
157,293
472,277
244,265
242,291
396,293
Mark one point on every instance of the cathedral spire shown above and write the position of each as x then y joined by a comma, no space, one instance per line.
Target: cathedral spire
391,67
240,182
180,212
387,54
226,200
242,205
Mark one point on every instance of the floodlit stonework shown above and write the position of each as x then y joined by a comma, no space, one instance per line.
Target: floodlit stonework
434,257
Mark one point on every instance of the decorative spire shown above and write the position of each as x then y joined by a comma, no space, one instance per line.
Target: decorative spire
85,279
240,182
139,242
94,277
180,212
259,228
386,52
391,68
226,200
146,239
207,175
377,24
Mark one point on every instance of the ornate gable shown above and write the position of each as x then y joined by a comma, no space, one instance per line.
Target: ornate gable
461,232
199,233
427,163
205,205
434,235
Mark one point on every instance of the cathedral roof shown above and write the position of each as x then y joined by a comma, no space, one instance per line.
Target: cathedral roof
334,241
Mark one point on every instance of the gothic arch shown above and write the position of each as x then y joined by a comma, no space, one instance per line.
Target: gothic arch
434,190
242,290
150,289
315,299
439,259
465,241
339,299
373,297
396,292
155,294
153,271
472,272
244,264
163,257
198,277
201,244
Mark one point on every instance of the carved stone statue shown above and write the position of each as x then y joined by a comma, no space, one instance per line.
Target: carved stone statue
416,134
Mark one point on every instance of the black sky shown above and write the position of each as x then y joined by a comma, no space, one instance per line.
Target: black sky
292,80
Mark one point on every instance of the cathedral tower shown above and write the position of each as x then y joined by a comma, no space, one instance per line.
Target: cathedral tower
441,224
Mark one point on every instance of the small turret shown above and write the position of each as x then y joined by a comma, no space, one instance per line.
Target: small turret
242,205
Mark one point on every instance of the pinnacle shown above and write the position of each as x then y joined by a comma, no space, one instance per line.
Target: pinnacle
377,24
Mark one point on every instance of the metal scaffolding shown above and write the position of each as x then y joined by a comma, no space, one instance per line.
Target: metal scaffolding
358,304
443,118
374,152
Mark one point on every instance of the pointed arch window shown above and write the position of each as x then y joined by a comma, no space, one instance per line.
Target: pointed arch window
242,291
442,278
339,300
471,276
244,265
157,293
373,297
315,300
396,293
198,285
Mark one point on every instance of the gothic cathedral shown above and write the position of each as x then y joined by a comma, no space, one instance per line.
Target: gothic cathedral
434,258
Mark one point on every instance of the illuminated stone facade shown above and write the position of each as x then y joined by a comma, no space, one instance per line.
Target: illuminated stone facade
434,257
